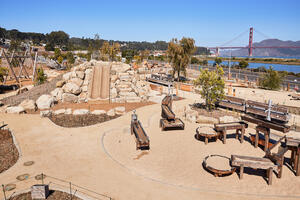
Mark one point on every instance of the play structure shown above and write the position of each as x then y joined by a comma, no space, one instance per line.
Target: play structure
169,120
16,63
141,138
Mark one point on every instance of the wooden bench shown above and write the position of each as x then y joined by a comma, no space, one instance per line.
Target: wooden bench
254,163
141,138
238,126
266,131
293,144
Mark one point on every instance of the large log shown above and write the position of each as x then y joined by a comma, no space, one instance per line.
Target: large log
252,162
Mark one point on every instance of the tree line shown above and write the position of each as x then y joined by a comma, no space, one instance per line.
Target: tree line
62,40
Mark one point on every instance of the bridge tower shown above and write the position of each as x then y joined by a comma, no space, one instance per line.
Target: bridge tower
250,42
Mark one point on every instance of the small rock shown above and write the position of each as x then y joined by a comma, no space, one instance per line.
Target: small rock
68,111
120,110
28,104
45,101
45,113
111,112
61,83
98,112
15,110
60,111
81,112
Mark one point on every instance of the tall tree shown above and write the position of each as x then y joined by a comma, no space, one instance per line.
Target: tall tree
179,53
113,51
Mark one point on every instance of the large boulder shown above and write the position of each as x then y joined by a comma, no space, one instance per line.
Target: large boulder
80,74
57,93
45,101
98,112
77,81
15,109
120,110
28,104
81,112
67,76
206,120
191,116
69,98
72,88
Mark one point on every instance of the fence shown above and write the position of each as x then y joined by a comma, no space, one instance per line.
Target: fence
18,187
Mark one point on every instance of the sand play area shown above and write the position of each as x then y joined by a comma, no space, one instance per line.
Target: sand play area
103,158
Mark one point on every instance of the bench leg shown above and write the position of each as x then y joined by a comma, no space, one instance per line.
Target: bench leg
242,134
280,167
270,174
237,134
298,162
256,139
224,137
266,142
206,140
241,171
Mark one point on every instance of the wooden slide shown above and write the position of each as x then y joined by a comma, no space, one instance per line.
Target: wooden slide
99,86
141,138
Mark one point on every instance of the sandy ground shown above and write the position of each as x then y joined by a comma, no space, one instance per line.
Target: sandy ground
103,158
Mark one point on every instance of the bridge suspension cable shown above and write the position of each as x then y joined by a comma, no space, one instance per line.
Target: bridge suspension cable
238,36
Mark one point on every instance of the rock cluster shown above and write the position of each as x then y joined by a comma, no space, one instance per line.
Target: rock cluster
127,85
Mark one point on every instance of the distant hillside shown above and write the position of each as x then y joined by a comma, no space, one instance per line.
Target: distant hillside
63,39
269,52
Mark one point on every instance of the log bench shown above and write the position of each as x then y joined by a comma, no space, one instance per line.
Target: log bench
238,126
254,163
141,138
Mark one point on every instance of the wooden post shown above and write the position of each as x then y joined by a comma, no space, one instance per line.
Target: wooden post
280,167
71,190
296,159
241,171
256,138
206,140
288,87
4,192
270,173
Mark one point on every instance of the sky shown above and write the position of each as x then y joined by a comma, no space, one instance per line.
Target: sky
210,22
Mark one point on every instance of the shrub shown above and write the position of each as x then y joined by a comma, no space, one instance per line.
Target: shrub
272,80
3,73
40,76
212,86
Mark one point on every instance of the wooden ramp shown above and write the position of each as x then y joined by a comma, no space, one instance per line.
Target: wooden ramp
99,85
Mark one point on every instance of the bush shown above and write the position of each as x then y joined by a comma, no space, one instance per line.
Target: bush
212,86
3,73
272,80
40,76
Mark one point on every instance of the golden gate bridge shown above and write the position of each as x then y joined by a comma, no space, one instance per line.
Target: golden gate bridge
250,46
